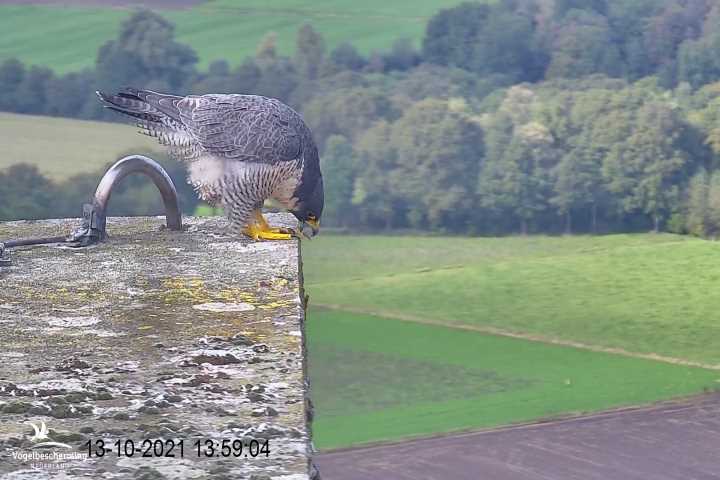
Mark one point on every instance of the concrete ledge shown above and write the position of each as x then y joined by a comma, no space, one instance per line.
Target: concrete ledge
153,335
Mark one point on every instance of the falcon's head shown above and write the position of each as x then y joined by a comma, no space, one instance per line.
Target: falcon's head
309,206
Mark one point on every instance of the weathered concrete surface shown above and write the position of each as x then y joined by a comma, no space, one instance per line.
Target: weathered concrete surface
152,335
669,441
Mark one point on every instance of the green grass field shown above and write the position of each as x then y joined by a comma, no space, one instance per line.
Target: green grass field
378,378
643,293
67,38
62,148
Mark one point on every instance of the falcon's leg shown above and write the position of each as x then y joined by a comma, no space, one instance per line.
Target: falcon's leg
260,220
258,228
243,190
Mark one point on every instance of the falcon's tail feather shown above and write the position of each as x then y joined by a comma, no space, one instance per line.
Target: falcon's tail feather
158,115
144,104
145,117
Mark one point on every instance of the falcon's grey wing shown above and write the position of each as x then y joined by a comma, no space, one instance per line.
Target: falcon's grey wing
243,127
234,127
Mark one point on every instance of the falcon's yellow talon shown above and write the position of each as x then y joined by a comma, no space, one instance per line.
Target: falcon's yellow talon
260,230
275,236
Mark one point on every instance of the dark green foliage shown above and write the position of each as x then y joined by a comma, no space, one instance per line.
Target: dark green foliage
620,130
31,95
562,7
220,78
440,82
582,44
667,30
345,56
402,56
27,194
67,95
450,34
310,52
346,111
702,216
278,75
647,168
696,219
145,53
337,166
713,206
12,74
486,39
698,62
437,148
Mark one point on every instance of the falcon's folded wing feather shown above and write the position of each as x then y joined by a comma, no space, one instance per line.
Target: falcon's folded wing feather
242,127
234,127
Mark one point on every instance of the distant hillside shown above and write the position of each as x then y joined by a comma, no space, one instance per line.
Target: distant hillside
67,38
62,148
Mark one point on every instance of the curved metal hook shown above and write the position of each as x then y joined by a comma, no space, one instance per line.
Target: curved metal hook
96,217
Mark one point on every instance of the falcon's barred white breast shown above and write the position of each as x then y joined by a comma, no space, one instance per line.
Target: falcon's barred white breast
239,150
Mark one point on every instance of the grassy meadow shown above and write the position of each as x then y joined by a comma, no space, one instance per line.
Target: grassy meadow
377,378
62,148
67,38
643,293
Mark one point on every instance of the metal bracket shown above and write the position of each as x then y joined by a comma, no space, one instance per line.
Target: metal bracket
91,231
95,215
93,228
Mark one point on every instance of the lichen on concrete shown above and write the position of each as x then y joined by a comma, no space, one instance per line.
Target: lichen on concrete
152,335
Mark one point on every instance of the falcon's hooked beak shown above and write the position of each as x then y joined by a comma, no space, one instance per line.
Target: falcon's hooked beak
310,228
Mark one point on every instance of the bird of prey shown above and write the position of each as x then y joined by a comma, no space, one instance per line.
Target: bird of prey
239,150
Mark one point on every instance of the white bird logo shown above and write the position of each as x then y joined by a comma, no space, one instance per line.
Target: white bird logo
41,434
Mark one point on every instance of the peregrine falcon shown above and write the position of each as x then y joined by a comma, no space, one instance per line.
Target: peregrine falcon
239,151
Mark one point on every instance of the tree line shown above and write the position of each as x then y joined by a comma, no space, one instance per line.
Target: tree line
26,194
520,116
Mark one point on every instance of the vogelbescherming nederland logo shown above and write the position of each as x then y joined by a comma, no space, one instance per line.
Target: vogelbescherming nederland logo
44,450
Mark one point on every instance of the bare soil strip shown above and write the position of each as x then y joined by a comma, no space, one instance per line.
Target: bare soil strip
667,441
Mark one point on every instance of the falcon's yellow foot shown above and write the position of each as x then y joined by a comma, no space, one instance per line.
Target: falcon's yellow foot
257,233
260,230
